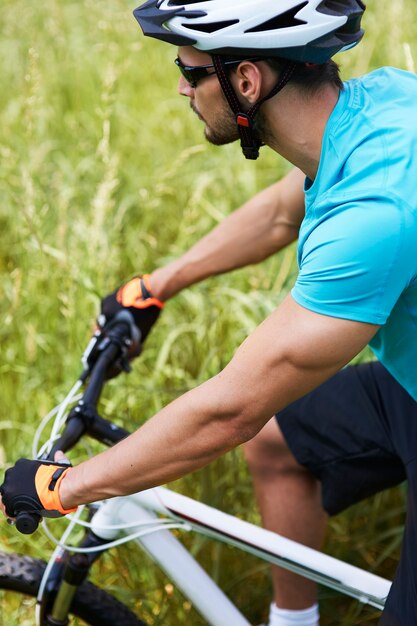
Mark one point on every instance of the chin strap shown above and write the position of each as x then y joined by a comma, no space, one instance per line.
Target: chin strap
249,139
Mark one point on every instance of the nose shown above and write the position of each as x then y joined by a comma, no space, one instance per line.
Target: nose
184,88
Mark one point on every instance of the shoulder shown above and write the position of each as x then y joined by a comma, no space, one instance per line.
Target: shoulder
355,259
385,80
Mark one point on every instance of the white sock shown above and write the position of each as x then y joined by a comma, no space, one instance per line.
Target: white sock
287,617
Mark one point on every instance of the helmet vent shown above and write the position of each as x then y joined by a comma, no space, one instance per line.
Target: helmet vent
285,20
212,27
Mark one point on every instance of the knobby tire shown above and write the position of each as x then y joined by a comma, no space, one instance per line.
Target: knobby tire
23,574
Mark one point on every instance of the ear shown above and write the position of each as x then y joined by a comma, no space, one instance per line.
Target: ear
247,81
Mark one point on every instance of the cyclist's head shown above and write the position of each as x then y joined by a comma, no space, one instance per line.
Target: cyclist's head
294,32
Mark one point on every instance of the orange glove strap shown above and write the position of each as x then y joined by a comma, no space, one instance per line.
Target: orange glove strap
50,499
131,294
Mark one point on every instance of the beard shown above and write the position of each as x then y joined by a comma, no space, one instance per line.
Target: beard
225,131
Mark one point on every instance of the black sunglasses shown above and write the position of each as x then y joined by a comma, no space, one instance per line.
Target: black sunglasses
194,73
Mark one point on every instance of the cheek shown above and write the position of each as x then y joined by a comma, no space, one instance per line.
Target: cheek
208,102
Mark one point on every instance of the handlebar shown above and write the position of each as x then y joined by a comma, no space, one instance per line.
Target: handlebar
113,345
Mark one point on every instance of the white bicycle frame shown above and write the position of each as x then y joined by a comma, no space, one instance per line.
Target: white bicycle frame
152,509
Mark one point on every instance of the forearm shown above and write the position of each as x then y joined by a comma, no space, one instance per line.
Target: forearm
186,435
265,224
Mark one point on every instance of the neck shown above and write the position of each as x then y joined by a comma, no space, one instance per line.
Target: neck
293,125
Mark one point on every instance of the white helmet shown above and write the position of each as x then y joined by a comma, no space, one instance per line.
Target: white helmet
300,30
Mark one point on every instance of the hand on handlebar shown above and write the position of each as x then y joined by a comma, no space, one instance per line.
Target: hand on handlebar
32,487
136,297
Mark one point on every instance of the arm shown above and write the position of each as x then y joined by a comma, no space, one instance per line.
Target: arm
289,354
262,226
265,224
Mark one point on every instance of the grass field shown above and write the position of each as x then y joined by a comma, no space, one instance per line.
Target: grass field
105,173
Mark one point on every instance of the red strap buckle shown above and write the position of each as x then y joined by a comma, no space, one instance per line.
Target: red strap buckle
243,120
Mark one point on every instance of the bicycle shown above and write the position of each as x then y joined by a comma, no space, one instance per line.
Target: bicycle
61,587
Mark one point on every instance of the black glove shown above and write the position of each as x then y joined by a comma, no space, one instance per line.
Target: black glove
136,297
33,487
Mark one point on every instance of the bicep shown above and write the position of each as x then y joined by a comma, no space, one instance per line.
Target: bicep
293,351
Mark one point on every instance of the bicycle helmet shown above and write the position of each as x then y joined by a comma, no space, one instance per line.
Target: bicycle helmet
306,31
310,30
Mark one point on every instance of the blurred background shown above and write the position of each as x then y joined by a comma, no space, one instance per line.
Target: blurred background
105,173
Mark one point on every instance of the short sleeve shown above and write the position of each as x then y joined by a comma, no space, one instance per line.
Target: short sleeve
354,261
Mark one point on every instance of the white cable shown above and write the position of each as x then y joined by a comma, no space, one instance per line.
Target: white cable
40,429
60,414
156,526
120,526
117,542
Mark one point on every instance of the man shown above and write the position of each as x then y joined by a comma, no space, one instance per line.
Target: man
262,72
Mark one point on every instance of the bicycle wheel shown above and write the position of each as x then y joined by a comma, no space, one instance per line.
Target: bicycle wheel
23,574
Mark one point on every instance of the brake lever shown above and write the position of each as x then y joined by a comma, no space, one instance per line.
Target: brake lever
129,342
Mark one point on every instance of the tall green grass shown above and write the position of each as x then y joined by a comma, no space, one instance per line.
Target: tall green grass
104,173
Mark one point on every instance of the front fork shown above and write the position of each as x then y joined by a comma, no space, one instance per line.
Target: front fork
68,572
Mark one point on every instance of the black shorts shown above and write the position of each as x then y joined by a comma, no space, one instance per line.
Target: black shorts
357,434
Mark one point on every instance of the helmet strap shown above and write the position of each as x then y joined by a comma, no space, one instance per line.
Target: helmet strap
249,139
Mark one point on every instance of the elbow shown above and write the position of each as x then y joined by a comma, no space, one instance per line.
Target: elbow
236,412
243,429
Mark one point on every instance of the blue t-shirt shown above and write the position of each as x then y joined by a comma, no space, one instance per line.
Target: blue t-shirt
357,248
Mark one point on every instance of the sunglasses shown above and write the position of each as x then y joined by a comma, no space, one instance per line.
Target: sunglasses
194,73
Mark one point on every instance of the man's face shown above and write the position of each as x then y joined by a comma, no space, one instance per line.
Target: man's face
208,101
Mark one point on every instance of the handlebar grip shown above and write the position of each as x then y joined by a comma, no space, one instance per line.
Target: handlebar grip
27,523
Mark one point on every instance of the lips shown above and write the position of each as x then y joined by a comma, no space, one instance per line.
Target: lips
196,112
